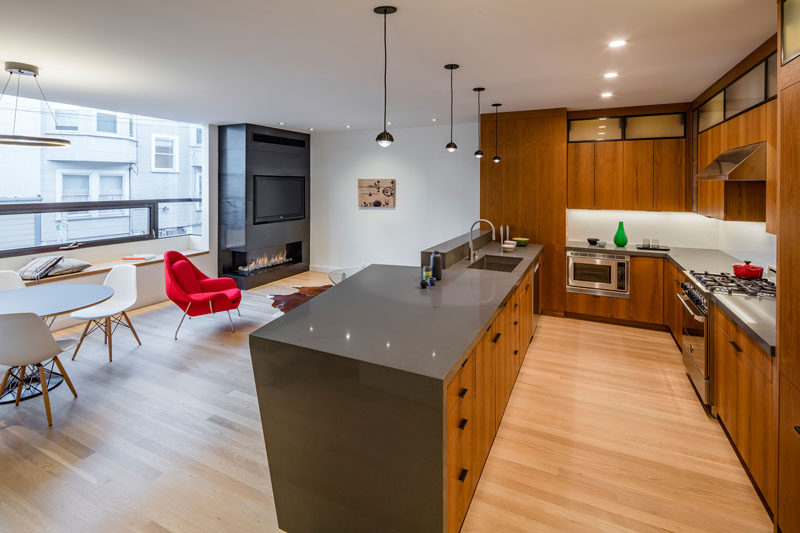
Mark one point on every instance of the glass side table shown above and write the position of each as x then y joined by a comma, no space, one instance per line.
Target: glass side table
340,274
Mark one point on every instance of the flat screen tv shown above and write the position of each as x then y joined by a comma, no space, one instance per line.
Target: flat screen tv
278,198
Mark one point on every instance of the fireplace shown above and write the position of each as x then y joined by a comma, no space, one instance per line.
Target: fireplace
250,268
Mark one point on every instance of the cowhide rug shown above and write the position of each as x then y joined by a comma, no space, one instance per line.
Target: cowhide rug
287,302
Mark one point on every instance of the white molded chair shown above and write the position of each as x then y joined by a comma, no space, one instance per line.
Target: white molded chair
10,280
28,341
109,314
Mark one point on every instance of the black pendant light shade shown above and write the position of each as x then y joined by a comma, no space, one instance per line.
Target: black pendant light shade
23,69
451,146
479,153
496,157
384,138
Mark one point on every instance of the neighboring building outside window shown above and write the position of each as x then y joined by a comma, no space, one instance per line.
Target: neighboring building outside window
106,122
197,136
165,153
67,119
198,187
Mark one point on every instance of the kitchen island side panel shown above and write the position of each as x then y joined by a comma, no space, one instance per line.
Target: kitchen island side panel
351,446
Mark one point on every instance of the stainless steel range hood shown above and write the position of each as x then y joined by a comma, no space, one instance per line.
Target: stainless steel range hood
747,163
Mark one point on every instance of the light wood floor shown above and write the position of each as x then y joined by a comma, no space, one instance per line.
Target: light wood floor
602,432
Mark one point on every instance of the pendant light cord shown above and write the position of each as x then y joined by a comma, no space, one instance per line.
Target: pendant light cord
36,79
385,61
451,105
8,80
479,120
16,104
495,131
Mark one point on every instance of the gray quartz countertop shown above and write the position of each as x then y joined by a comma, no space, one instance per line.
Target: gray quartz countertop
381,316
755,315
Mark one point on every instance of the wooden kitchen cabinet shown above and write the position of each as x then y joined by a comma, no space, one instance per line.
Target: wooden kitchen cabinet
647,293
637,175
669,174
526,313
516,337
608,169
710,144
580,175
503,361
772,167
461,472
744,201
726,377
673,309
485,413
789,459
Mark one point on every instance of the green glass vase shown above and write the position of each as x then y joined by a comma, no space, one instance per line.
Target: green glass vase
620,238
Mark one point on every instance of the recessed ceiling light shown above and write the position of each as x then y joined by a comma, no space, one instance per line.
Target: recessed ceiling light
603,118
433,120
601,127
310,129
281,123
601,133
347,126
607,94
617,43
610,75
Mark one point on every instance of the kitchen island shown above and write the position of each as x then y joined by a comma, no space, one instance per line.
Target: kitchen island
380,400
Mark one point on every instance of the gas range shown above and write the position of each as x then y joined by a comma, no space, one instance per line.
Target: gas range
729,284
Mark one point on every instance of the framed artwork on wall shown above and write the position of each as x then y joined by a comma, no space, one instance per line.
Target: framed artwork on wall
376,193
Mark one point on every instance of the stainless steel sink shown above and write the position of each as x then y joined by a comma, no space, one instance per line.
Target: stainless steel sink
496,262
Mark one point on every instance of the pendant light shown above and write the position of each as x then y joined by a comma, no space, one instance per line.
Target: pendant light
384,138
23,69
451,146
478,153
496,157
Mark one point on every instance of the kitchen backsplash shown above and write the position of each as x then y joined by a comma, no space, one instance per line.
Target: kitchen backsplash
744,240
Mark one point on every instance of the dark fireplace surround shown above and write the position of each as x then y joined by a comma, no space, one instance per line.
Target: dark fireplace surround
254,253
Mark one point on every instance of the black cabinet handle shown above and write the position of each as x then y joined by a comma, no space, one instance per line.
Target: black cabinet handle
797,429
463,423
496,338
516,322
528,286
465,362
462,393
735,346
516,305
463,475
516,352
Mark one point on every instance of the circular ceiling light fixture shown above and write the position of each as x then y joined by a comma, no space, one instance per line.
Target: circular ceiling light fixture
478,153
384,138
451,146
23,69
618,43
496,158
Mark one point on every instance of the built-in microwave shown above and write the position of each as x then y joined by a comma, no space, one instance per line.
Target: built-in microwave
599,274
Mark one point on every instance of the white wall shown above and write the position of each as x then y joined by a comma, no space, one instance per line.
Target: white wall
744,240
437,194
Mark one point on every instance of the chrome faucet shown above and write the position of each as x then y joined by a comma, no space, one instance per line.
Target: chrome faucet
473,255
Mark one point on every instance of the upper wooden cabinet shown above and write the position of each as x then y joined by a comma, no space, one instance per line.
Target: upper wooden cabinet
641,175
580,175
637,175
738,200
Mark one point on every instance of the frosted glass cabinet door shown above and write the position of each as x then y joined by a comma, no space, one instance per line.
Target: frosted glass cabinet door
790,30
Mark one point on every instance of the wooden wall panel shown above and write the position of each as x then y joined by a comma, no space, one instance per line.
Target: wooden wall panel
580,175
772,166
637,175
528,188
711,198
608,175
669,174
747,128
710,144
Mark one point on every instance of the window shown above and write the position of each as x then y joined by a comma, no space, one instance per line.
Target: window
165,153
712,112
51,196
746,92
106,122
595,129
67,119
655,126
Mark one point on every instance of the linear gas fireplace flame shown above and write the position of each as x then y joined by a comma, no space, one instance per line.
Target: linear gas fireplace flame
265,261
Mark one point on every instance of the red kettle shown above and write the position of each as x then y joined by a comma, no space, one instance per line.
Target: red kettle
747,271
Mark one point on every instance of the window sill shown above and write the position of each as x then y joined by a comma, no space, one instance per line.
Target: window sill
101,268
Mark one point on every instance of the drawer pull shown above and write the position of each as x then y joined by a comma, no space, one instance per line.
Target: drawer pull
797,429
516,322
735,346
496,338
516,305
462,393
465,362
516,352
463,475
463,423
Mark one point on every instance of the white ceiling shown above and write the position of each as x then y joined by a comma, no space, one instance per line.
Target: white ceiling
318,63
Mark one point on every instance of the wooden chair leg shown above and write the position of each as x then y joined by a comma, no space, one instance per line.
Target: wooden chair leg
65,376
78,347
21,382
108,336
45,395
5,382
130,325
105,332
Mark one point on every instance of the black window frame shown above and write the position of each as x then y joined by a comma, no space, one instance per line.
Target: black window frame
767,98
59,207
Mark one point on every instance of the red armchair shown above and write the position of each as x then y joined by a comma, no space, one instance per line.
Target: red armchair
194,292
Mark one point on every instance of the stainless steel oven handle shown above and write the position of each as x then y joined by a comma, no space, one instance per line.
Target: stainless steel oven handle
682,298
